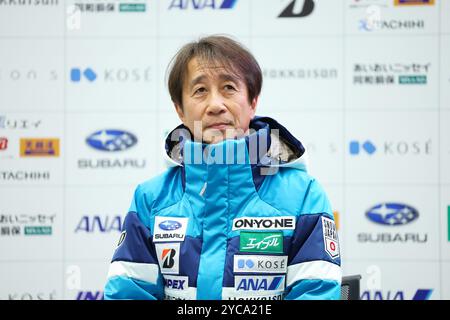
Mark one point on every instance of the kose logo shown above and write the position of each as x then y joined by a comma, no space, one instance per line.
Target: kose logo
102,224
76,74
292,10
202,4
111,140
391,148
170,225
260,264
367,146
110,75
392,214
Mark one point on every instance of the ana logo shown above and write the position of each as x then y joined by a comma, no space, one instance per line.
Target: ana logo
169,225
3,143
39,147
421,294
392,214
76,74
111,140
102,224
168,257
291,11
270,242
367,146
170,229
90,295
259,283
260,264
202,4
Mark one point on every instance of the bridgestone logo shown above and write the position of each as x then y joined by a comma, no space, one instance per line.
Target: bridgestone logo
270,223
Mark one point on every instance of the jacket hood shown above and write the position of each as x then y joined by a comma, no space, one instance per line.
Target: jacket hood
269,144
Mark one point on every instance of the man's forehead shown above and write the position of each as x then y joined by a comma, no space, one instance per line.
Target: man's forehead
204,70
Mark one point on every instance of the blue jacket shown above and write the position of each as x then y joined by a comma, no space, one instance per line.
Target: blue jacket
228,222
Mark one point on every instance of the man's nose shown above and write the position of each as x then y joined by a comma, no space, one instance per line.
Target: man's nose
216,103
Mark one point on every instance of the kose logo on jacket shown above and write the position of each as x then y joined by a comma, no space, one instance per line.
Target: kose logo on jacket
269,223
259,283
39,147
269,242
260,264
392,214
168,257
111,140
298,9
102,224
169,229
202,4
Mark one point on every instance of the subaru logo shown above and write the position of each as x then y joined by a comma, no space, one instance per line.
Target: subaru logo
392,214
170,225
111,140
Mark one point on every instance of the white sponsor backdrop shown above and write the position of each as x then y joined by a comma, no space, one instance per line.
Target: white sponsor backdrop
364,84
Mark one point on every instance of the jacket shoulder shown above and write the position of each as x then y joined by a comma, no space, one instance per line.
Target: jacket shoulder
157,193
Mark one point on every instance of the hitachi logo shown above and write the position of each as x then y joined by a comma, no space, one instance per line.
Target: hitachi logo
278,223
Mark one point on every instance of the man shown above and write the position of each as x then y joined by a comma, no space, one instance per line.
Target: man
236,216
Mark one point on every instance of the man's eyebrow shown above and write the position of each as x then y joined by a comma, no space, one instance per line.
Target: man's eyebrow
196,80
222,77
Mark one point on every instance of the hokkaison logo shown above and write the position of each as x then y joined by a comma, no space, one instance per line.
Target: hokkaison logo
259,283
392,214
168,257
269,223
298,9
111,140
39,147
169,229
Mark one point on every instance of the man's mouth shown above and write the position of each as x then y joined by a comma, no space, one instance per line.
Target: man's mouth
219,125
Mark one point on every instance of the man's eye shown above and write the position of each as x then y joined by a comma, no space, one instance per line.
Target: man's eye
200,90
229,87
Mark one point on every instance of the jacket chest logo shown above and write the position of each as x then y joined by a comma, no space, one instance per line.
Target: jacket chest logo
268,242
267,223
171,229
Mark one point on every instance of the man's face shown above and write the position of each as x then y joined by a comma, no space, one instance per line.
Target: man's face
215,103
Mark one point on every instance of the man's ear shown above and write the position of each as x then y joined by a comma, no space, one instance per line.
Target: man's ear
253,105
180,112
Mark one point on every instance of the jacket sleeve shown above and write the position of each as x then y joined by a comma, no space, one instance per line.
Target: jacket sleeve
314,271
134,271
